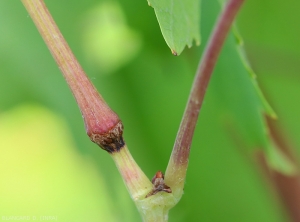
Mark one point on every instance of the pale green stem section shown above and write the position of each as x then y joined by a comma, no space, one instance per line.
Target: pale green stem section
156,208
178,173
152,209
134,178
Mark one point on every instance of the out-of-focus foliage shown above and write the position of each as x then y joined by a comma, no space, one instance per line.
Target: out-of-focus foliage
148,89
179,22
37,161
108,41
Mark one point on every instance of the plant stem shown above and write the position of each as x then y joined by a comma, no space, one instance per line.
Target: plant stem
99,119
136,181
103,126
176,170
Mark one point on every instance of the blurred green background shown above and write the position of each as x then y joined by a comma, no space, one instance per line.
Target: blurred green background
48,166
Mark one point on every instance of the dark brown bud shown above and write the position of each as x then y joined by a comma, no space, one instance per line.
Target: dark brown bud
112,140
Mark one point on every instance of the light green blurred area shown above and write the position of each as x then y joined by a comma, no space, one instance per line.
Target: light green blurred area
48,166
38,161
109,43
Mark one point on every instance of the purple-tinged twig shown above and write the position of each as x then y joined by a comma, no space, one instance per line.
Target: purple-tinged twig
176,170
100,121
103,126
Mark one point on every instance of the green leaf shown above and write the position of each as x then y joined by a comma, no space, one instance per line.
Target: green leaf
241,98
274,59
240,47
276,159
279,161
178,21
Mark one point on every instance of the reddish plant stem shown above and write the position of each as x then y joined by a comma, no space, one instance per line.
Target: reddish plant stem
181,149
207,64
102,125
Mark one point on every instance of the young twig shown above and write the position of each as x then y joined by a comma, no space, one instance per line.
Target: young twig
98,117
103,126
176,170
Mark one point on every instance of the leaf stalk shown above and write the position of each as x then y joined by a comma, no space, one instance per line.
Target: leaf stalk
177,166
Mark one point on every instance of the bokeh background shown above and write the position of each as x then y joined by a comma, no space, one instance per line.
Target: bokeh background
50,169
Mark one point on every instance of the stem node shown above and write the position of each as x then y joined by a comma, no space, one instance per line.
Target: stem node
111,141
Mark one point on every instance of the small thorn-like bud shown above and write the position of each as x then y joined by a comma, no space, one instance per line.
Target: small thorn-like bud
159,184
158,174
